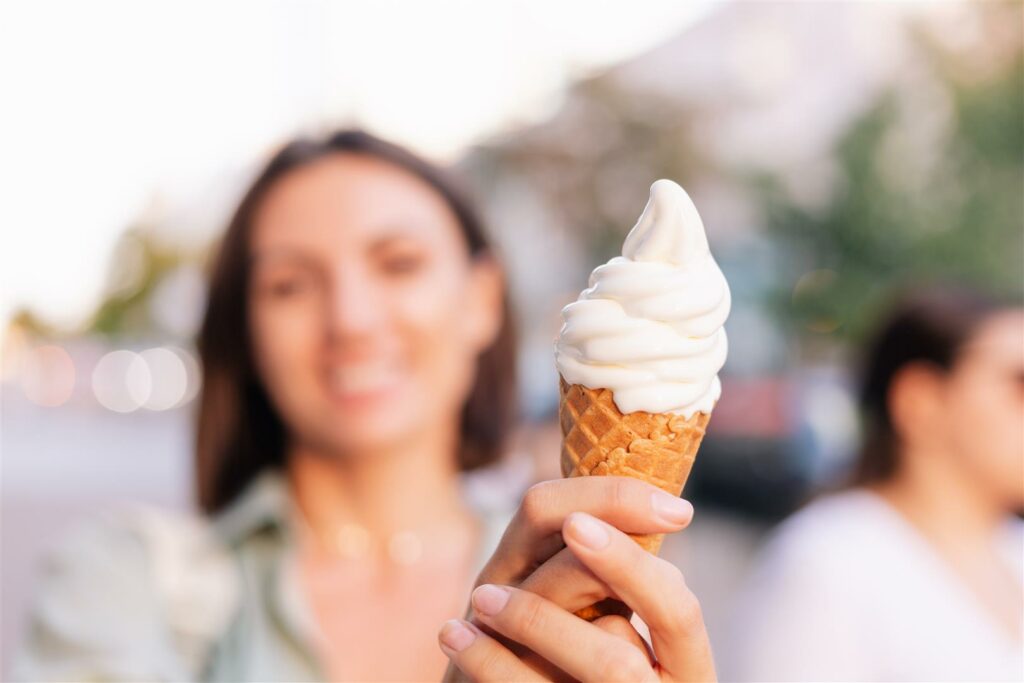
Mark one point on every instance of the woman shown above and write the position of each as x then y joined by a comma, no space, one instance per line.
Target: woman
915,572
357,356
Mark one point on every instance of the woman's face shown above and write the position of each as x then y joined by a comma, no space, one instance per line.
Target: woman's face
367,313
984,405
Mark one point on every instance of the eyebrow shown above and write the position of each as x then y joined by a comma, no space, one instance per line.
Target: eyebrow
401,242
275,254
396,235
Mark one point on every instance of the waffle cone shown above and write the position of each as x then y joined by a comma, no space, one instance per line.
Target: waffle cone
598,440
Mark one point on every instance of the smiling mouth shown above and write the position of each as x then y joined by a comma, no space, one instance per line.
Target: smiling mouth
361,380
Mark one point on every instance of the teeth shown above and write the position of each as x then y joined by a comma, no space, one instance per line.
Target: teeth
362,378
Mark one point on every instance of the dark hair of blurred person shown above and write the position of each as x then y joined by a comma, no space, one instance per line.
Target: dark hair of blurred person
927,329
239,431
916,571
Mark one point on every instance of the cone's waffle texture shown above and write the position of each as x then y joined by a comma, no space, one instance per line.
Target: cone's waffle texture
598,440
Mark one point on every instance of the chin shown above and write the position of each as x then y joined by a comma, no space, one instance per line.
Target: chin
363,442
368,427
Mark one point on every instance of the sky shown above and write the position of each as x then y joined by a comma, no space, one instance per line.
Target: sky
114,108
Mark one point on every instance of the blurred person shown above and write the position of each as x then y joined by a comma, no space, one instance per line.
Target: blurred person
914,572
358,355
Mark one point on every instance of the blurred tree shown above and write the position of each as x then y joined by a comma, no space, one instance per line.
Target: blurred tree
26,320
139,264
592,164
929,186
924,182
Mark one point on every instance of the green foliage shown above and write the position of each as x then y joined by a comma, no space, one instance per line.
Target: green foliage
895,220
138,264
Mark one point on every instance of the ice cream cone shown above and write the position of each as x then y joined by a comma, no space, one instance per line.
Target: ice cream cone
648,333
598,440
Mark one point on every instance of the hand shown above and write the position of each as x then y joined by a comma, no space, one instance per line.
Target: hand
531,556
532,551
652,587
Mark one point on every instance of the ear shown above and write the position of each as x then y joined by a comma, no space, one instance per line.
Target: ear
915,403
483,308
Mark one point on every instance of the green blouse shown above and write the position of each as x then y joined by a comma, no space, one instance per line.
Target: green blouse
145,595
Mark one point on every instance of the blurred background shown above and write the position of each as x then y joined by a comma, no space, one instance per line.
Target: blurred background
833,149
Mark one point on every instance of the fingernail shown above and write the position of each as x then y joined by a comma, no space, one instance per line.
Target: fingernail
490,600
589,532
672,509
456,636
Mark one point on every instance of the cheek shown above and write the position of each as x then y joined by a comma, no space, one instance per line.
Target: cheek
437,334
283,344
987,425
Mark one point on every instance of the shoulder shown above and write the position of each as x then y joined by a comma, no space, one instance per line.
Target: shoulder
130,593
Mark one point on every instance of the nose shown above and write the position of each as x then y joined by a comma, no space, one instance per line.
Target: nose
353,306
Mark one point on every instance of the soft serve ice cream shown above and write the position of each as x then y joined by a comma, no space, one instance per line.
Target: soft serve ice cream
649,325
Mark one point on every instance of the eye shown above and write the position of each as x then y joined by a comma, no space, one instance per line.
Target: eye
401,263
287,286
1018,380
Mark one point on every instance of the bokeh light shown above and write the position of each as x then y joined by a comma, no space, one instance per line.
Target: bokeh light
193,375
122,381
168,378
48,376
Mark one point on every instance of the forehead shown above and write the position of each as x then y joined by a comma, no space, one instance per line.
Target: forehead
1002,335
345,199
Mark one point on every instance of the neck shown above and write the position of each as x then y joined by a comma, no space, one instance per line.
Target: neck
945,505
411,486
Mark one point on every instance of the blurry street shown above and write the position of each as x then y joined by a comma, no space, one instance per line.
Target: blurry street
59,464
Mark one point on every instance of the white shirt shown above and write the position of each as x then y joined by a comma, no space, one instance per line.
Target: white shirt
849,590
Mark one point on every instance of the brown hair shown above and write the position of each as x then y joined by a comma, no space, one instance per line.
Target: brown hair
239,433
927,325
